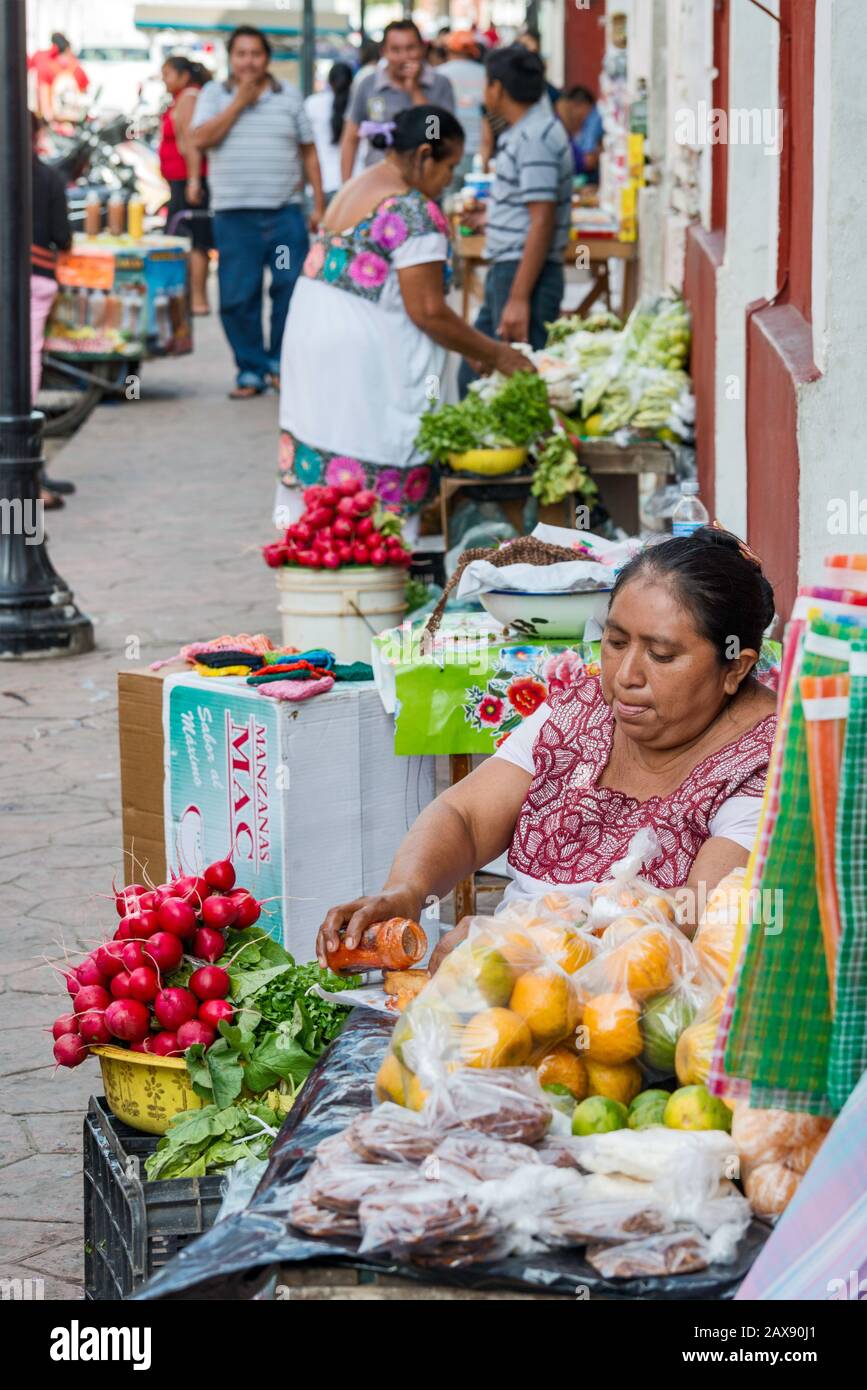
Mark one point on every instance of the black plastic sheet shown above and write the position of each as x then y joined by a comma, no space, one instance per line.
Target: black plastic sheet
235,1259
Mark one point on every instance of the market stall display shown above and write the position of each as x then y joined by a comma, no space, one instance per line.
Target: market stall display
204,1026
227,1257
121,297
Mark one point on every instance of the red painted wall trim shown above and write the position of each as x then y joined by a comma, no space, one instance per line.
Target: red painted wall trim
797,63
720,102
704,254
584,43
778,361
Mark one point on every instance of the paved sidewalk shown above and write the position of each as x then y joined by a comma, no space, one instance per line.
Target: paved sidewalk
159,545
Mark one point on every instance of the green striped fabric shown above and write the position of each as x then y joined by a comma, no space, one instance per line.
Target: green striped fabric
781,1028
848,1058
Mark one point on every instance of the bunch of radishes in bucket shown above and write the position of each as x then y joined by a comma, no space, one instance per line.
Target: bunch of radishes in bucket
118,992
342,525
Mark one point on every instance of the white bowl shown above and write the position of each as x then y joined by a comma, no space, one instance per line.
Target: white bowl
547,615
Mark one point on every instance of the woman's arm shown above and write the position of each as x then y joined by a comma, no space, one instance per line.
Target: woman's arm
425,303
349,142
716,858
182,117
313,174
462,830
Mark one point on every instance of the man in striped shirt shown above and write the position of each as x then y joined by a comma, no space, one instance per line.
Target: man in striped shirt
260,148
529,205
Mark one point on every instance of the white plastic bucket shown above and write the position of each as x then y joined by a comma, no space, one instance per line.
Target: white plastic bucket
339,609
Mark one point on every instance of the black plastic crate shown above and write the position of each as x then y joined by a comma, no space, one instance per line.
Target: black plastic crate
133,1227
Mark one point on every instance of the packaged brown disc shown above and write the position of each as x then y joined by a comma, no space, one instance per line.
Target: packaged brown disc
477,1157
430,1223
342,1187
390,1134
508,1103
581,1223
680,1252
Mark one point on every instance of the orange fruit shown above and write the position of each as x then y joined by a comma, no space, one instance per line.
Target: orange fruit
642,964
659,903
622,1082
568,948
546,1000
518,946
621,929
416,1095
391,1080
496,1038
611,1021
562,1068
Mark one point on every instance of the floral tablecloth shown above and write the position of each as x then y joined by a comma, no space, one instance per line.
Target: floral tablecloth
474,688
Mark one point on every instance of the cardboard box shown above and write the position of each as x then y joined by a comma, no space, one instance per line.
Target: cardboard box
309,799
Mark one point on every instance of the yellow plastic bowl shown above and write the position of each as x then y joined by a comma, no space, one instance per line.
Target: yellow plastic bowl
144,1091
488,461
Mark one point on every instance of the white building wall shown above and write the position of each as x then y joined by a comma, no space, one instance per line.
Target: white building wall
832,412
749,269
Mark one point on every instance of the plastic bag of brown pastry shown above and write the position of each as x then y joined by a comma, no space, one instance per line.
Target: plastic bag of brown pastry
508,1104
390,1134
431,1224
676,1252
468,1156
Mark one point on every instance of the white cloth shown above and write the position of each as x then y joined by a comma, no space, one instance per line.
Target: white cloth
319,107
737,818
355,376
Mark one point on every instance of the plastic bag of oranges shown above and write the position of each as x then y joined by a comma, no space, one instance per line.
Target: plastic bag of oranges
506,997
638,995
626,892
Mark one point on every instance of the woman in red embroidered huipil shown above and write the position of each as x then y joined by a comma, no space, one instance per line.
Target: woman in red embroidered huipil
675,734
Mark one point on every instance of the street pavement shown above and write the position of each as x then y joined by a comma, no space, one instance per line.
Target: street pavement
159,545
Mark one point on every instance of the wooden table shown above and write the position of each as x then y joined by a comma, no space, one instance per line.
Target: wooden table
600,249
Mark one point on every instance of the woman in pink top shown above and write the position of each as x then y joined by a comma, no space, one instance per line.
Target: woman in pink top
184,169
675,734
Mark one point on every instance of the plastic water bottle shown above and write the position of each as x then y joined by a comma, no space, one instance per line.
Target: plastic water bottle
690,512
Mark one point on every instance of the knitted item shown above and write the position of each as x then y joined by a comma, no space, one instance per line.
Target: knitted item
228,658
297,670
221,670
317,656
242,643
297,690
355,671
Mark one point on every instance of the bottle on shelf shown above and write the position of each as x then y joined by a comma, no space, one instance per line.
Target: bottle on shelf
690,512
135,217
116,215
92,214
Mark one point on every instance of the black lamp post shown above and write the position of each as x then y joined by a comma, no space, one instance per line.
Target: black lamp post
38,616
308,46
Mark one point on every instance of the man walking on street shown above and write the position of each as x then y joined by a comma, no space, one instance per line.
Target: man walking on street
261,149
529,206
401,79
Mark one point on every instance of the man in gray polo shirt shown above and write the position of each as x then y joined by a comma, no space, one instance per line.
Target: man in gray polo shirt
529,206
260,148
401,79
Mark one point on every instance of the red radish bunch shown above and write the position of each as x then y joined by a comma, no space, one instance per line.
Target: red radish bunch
340,526
119,994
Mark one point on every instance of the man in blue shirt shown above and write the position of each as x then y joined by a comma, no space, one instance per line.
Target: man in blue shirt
578,111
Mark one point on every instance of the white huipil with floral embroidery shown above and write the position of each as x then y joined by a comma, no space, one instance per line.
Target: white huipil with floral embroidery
356,373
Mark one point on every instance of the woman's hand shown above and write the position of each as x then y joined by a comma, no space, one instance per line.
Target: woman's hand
508,360
194,192
360,914
447,944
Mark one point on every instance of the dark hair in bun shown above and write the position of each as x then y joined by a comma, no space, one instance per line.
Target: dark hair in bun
422,125
716,579
521,72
